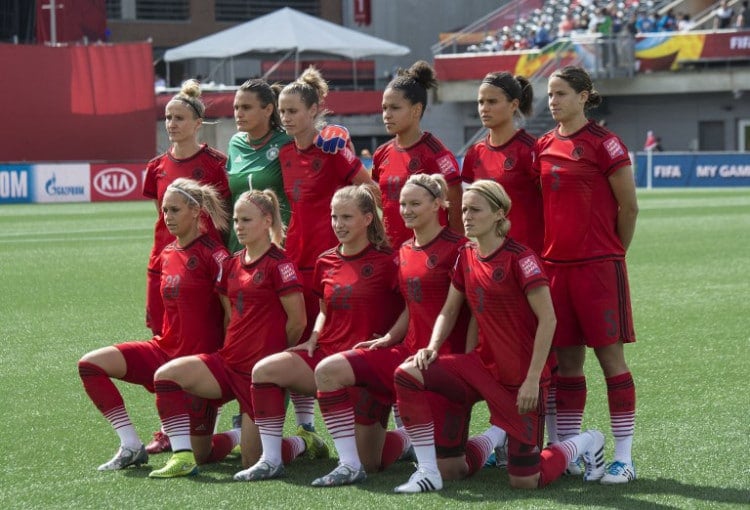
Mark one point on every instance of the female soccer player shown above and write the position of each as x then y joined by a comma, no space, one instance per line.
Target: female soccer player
253,153
264,291
507,291
590,210
411,151
194,317
506,155
425,267
185,158
349,279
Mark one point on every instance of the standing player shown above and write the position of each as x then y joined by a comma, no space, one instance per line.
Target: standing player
412,151
267,316
186,158
194,317
590,210
349,279
507,291
506,155
425,267
253,153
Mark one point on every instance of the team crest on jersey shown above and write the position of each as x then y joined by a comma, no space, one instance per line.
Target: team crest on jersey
498,274
614,149
367,271
414,165
577,152
317,164
432,261
509,163
529,267
445,165
286,270
258,277
272,153
198,174
192,262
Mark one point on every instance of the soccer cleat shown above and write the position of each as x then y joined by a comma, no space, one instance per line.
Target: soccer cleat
618,472
421,481
501,456
315,447
237,421
262,470
126,457
159,444
342,475
179,464
593,457
575,467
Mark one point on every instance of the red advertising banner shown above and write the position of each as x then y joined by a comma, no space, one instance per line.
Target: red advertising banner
74,20
116,182
362,12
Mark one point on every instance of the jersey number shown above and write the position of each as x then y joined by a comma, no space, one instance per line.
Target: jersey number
171,286
341,296
414,289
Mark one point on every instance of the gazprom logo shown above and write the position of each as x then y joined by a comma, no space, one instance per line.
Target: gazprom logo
52,189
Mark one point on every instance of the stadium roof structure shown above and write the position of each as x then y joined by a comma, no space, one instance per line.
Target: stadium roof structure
286,32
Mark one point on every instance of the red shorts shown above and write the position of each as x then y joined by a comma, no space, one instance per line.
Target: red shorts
233,384
374,368
313,361
592,304
142,359
463,379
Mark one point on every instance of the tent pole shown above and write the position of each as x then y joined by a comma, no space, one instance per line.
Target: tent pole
354,69
296,63
169,84
231,71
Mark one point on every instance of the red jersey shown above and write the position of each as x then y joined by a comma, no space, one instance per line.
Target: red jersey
580,210
311,177
361,296
391,167
424,276
207,166
496,287
257,327
512,165
194,317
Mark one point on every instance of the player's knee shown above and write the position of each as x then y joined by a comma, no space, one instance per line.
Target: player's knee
330,374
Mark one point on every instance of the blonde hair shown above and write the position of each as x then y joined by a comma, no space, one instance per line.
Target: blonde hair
268,203
189,95
434,184
312,89
363,196
498,199
202,196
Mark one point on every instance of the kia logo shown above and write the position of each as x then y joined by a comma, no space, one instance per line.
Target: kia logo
115,182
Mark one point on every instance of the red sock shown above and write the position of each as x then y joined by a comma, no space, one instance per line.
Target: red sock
478,450
221,446
621,397
571,400
268,401
396,442
291,448
338,412
552,465
99,387
413,407
171,402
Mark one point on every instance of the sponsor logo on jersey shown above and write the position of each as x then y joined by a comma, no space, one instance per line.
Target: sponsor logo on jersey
286,270
258,277
614,149
238,159
446,165
115,182
577,152
367,271
198,174
317,164
414,165
432,261
192,262
529,267
498,274
272,153
509,163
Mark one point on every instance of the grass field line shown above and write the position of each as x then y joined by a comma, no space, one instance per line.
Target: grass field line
59,231
68,239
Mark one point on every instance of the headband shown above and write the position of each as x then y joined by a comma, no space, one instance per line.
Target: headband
185,193
488,196
260,205
496,81
417,183
189,103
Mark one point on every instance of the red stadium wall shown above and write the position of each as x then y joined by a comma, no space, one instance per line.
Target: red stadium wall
77,103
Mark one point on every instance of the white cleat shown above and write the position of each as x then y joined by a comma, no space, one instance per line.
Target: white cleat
421,481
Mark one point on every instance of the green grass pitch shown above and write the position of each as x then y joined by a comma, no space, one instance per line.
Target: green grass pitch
73,279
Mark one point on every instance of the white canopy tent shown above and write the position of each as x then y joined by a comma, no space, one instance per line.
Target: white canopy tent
286,32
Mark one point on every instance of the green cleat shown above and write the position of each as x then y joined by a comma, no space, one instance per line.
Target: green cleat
179,464
316,448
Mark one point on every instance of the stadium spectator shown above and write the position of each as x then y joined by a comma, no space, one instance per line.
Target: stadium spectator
506,288
263,292
411,150
743,17
193,316
590,211
667,23
723,15
348,279
685,24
